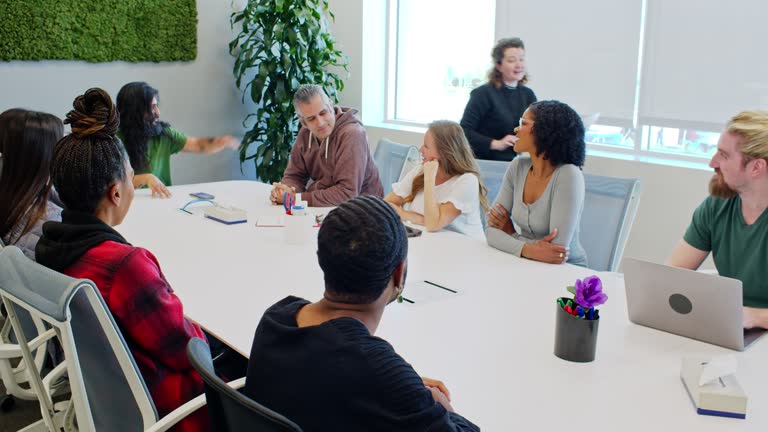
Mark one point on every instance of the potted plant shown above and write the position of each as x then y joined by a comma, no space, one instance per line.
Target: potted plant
281,45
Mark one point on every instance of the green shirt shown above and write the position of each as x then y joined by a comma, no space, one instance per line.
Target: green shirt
740,251
159,151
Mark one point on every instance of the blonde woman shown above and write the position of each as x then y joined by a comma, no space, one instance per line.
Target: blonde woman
446,191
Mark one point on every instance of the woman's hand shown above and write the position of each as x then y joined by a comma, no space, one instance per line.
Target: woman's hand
503,143
430,171
545,251
398,208
498,217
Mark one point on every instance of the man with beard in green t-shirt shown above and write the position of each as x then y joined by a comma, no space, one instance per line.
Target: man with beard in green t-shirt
732,222
151,142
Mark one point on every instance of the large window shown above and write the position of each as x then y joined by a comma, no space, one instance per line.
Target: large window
443,52
659,81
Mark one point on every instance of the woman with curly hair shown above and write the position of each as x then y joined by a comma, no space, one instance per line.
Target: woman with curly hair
543,193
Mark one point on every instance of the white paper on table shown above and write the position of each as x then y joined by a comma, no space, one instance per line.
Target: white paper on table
270,220
718,367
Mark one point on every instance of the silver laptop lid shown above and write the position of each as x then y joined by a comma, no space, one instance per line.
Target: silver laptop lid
685,302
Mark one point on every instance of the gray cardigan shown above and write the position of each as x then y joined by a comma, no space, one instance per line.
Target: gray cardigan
28,241
558,207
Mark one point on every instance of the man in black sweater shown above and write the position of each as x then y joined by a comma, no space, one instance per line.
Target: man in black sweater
319,363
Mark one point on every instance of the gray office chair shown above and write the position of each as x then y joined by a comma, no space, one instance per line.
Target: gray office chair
610,205
230,410
108,392
390,157
493,175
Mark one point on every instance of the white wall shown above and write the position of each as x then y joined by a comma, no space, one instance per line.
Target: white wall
199,97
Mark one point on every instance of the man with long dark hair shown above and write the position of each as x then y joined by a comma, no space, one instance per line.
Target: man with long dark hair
151,142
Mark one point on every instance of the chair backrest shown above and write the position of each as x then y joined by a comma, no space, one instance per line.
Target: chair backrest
412,160
108,391
230,410
589,120
493,175
610,204
390,158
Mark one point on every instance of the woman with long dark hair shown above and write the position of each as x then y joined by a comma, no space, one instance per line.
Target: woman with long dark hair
27,139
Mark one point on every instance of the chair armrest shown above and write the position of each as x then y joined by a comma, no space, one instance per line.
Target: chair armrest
188,408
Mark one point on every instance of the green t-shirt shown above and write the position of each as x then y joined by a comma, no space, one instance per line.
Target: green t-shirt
740,251
159,151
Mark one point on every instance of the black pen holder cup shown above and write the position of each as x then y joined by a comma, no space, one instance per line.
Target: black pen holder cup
575,338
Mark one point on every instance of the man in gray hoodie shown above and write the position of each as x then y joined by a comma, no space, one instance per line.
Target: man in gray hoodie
331,150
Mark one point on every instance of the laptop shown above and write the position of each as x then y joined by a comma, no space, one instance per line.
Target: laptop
688,303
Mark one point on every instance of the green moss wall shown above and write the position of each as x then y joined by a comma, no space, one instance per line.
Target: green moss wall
98,30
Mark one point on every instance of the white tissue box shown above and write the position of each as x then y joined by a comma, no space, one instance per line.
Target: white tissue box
226,215
722,397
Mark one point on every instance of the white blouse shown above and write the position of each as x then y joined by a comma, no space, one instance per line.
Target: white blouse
462,191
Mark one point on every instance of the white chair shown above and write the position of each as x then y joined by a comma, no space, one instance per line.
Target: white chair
610,205
15,379
412,160
390,158
108,392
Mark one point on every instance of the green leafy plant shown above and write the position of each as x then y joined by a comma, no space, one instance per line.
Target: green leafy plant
98,31
281,45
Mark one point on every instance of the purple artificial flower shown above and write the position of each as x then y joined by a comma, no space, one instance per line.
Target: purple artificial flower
589,292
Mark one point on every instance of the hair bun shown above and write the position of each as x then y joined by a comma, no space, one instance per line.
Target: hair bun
94,114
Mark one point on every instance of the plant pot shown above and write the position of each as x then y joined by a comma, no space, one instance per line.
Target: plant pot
575,338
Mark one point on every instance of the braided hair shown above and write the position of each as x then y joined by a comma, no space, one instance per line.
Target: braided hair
87,162
359,246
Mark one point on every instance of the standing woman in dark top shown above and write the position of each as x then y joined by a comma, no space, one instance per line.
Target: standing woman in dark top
494,109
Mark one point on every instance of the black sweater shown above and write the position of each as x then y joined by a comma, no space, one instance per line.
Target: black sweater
337,377
493,113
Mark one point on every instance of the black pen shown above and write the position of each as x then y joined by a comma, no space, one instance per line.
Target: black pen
408,300
440,286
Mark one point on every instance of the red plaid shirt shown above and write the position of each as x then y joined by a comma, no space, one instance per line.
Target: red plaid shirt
152,321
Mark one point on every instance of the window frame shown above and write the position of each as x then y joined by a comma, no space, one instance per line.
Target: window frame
636,152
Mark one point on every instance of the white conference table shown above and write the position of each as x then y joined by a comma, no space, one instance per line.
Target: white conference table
491,344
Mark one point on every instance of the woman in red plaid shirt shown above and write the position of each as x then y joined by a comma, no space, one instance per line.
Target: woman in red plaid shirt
92,173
